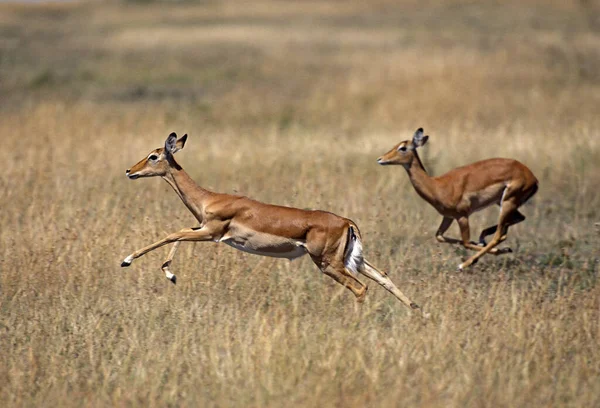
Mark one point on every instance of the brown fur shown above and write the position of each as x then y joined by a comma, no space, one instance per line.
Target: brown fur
255,227
464,190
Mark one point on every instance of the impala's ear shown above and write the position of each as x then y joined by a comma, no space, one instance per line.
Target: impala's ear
172,145
418,138
180,143
171,142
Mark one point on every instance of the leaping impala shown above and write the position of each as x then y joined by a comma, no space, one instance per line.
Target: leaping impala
333,243
462,191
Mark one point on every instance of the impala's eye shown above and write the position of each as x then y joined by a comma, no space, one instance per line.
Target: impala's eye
402,148
153,157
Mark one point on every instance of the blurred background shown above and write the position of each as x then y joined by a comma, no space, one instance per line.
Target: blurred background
291,103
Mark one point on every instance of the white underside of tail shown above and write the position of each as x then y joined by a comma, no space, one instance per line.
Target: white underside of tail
353,259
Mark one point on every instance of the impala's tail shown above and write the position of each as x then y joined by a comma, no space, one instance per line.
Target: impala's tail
353,257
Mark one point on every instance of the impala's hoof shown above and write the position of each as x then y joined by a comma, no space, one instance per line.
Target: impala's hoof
414,306
169,275
501,251
126,262
460,267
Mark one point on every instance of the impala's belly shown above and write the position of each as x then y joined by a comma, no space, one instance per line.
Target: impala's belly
485,197
267,245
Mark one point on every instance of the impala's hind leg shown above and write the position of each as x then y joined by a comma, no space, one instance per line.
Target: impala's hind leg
514,218
336,270
507,207
381,278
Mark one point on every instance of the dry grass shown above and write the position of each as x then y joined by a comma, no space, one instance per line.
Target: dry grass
292,103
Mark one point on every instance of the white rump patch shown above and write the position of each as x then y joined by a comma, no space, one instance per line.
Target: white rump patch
353,258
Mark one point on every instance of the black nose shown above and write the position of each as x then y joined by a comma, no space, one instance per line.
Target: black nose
126,171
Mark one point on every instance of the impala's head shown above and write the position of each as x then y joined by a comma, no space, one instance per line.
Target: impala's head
404,152
158,162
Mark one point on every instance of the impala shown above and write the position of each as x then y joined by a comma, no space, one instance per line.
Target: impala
462,191
333,242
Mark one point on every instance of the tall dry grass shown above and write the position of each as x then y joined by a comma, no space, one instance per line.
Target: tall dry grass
291,104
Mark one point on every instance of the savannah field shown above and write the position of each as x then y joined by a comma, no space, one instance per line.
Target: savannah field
291,103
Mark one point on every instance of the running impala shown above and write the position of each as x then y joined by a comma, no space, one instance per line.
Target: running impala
462,191
333,242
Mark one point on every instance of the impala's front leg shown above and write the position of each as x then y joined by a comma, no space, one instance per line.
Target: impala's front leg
167,263
186,234
439,235
465,232
463,223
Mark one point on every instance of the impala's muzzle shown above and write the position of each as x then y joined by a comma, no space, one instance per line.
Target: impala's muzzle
131,176
382,161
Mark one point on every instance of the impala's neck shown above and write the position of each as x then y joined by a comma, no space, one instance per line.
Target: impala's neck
423,184
192,195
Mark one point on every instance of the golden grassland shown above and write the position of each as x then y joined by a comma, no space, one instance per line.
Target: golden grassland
291,103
